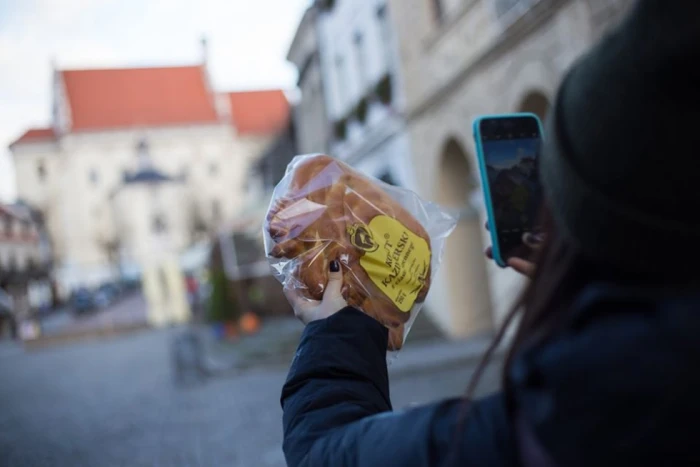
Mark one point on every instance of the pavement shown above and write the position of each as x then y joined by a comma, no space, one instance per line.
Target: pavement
126,315
116,402
276,343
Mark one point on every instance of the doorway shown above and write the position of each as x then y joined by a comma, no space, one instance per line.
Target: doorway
469,301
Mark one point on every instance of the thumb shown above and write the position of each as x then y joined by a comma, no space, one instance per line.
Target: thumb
335,282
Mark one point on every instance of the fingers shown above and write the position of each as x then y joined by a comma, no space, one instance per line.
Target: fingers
299,303
518,264
333,297
522,266
335,281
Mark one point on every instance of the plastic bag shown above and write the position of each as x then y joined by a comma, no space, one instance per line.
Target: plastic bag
389,242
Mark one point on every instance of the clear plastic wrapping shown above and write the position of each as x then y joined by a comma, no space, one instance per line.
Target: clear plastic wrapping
389,241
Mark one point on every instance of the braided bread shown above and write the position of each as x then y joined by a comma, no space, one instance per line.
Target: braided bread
331,212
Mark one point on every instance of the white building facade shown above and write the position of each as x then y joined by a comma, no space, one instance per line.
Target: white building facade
24,261
460,59
362,86
312,130
74,170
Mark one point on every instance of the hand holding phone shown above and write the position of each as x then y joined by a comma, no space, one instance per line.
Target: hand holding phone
508,147
523,266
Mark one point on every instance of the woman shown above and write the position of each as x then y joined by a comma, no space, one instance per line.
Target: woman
605,366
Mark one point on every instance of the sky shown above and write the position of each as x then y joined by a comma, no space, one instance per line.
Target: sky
506,154
247,45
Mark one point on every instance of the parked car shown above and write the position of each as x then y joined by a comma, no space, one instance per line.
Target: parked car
106,295
83,301
6,303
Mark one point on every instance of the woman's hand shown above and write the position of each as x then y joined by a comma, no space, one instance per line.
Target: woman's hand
311,310
523,266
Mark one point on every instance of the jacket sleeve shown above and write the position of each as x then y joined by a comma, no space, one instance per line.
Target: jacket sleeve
337,409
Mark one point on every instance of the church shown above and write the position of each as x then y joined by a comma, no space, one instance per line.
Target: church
138,161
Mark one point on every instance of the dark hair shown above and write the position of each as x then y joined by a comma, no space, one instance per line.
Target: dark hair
561,271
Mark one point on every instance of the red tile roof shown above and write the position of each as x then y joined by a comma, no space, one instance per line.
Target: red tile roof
34,135
128,97
133,97
259,112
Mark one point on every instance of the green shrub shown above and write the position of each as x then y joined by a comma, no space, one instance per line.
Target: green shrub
222,306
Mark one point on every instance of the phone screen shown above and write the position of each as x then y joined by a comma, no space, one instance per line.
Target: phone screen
511,147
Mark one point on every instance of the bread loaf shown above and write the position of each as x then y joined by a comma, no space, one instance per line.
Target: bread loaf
332,212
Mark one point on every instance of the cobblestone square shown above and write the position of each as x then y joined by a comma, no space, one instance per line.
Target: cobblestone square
114,403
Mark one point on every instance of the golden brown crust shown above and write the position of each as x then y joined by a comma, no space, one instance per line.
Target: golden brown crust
330,197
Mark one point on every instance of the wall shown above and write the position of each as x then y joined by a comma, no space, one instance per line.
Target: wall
312,129
22,251
469,64
309,114
350,70
135,208
85,168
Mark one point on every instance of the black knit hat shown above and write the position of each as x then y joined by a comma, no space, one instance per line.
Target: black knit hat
621,162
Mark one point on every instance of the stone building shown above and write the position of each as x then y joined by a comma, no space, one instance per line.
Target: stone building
80,171
362,83
25,262
309,113
459,59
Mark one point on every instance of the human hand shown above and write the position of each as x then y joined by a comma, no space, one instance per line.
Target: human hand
523,266
311,310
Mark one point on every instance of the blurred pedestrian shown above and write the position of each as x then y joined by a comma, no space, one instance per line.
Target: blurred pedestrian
192,287
603,368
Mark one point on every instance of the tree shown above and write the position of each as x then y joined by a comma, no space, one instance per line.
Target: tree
223,305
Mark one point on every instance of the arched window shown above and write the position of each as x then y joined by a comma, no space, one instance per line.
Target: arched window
387,178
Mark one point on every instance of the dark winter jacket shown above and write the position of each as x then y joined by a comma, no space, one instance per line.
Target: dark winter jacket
618,385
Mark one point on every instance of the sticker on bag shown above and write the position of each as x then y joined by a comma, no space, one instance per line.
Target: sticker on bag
396,259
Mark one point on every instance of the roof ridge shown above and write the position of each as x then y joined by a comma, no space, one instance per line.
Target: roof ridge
129,68
236,91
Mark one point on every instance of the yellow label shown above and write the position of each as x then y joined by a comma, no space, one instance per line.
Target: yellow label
396,260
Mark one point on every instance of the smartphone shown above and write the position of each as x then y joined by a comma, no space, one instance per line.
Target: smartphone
508,147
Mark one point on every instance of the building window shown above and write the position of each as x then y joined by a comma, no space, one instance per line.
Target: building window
503,7
159,224
216,210
388,179
8,226
385,30
41,171
342,83
213,168
143,153
94,177
142,147
358,41
438,11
